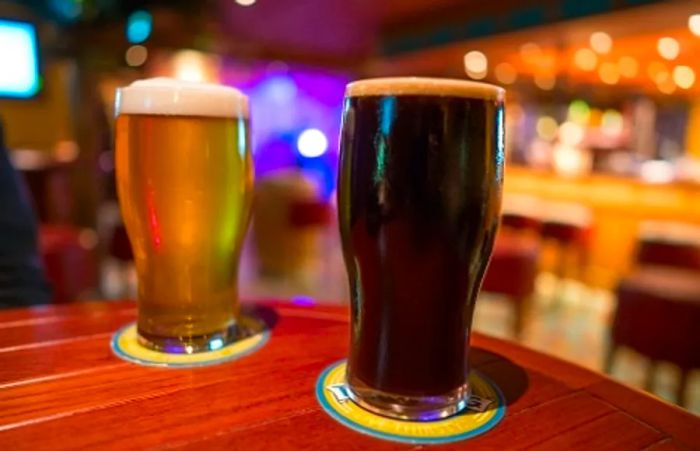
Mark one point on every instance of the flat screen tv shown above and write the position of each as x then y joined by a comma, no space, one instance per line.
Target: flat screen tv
19,60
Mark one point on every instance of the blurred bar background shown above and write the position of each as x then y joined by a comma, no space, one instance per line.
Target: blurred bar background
598,259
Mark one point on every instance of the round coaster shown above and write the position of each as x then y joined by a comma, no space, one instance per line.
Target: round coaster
486,409
126,346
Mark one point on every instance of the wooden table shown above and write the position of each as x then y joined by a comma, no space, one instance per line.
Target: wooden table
61,388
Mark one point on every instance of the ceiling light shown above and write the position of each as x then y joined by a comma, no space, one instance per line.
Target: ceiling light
684,76
585,59
505,73
668,48
601,42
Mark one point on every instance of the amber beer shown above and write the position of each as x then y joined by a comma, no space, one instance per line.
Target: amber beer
418,199
184,174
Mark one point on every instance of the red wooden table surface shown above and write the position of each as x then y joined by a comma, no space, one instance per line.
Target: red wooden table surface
61,387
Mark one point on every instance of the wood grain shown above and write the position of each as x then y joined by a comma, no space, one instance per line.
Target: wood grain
597,434
670,419
61,388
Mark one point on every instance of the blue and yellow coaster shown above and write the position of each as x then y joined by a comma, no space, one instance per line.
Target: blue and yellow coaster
485,410
126,346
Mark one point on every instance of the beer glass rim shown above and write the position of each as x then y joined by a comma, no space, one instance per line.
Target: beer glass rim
171,97
424,86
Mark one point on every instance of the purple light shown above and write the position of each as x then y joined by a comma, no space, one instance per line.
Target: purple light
278,88
287,100
303,301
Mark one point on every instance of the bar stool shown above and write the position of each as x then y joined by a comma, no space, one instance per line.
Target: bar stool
512,273
520,214
659,302
569,227
519,222
658,314
669,244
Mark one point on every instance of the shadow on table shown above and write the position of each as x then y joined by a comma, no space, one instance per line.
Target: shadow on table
266,314
510,378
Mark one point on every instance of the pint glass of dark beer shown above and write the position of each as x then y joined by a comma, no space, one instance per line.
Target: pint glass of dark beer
184,173
419,195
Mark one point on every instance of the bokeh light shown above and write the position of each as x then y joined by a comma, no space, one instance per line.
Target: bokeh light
579,112
246,2
312,143
66,151
662,77
545,81
505,73
628,66
684,76
570,161
611,122
668,48
609,73
694,24
546,128
136,55
601,42
476,64
67,9
655,69
138,26
530,52
667,86
515,113
585,59
279,89
657,171
571,133
189,66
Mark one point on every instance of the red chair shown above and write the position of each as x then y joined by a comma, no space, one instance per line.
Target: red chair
657,315
659,303
668,253
570,238
512,273
521,213
69,260
520,222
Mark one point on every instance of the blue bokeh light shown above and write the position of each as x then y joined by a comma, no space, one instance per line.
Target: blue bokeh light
68,9
139,26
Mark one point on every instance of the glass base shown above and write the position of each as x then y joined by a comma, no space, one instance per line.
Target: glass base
192,344
414,408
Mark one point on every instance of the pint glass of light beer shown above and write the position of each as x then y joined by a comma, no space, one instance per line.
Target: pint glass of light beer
419,194
184,174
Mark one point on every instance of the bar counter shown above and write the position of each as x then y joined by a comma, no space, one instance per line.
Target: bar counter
618,206
62,388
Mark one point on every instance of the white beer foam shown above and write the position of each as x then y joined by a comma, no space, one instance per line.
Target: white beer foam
167,96
396,86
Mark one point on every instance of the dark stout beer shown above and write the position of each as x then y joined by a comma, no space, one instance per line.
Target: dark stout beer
419,196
